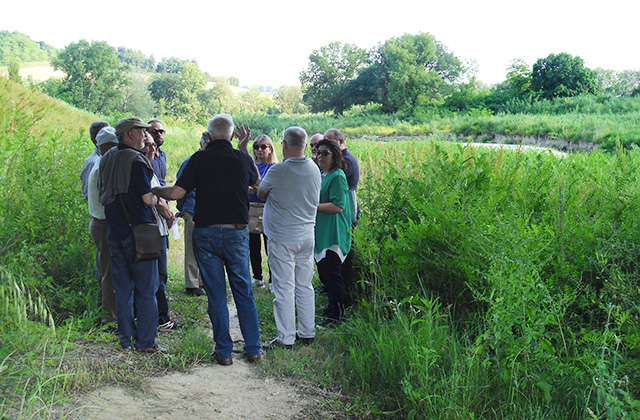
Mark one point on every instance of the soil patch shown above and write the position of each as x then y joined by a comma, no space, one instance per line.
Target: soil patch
238,391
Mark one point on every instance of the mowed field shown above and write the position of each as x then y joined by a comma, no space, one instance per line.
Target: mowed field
37,73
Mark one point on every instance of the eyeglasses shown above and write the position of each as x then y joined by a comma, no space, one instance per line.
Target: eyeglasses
314,145
324,153
149,145
155,132
260,146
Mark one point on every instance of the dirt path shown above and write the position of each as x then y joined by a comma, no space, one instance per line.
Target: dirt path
208,392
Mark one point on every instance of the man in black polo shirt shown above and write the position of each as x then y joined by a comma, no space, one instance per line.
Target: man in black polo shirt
222,176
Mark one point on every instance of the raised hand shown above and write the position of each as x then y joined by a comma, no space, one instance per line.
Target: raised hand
243,133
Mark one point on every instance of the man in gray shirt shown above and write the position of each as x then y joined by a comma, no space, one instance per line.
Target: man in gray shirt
291,190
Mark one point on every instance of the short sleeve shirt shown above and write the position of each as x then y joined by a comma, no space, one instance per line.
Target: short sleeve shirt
221,176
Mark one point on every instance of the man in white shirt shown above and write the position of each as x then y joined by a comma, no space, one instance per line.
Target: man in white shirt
105,140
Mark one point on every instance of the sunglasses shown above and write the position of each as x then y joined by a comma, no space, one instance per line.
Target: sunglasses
314,145
324,153
260,146
155,132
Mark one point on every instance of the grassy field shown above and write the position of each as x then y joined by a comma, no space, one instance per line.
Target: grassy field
493,284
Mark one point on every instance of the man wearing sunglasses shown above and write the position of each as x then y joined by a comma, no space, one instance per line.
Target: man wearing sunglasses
159,164
313,144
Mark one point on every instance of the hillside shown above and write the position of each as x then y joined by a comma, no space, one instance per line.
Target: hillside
41,112
17,46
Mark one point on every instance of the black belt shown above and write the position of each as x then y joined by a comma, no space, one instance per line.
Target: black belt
225,226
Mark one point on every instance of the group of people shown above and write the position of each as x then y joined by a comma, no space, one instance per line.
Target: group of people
302,209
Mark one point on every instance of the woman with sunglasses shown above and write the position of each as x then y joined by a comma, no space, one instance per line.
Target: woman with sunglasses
333,229
265,157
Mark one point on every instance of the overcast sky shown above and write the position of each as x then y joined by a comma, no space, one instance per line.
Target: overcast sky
268,42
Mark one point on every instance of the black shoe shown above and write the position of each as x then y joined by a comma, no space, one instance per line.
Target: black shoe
276,344
304,340
194,291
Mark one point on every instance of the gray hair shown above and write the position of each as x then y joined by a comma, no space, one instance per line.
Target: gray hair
95,128
221,127
295,137
334,134
204,139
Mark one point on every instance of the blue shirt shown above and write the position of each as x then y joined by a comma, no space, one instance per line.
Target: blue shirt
353,170
262,168
188,202
159,165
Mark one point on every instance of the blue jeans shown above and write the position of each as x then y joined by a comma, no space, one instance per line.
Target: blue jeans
139,279
218,249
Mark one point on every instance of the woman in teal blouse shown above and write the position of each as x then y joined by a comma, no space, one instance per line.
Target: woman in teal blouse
333,228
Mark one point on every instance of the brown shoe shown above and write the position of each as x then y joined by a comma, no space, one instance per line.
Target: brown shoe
153,350
252,359
221,361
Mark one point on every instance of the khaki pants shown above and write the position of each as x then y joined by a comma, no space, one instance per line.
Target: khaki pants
106,295
191,273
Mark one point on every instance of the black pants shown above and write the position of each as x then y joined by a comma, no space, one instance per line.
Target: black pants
255,254
330,273
347,277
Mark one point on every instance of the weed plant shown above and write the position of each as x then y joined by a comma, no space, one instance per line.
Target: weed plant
492,284
536,260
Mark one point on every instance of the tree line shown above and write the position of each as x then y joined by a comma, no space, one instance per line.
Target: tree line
413,75
102,79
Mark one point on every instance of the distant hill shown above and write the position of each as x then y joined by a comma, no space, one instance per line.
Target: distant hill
14,45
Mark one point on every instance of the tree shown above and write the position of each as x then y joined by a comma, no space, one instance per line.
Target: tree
136,60
219,98
94,76
518,81
562,75
288,100
618,84
254,101
177,93
137,99
407,73
420,71
14,71
330,70
172,65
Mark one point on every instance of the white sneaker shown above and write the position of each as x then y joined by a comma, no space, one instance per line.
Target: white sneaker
258,283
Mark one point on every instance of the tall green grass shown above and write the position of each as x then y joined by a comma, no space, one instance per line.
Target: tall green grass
535,259
44,237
